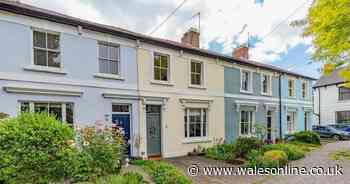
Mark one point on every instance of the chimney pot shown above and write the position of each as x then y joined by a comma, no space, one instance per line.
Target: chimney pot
241,52
191,37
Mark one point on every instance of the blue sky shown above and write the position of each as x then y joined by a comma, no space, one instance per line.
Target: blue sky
225,24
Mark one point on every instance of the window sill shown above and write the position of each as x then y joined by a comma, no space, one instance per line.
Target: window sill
165,83
266,94
247,92
292,97
45,69
108,76
196,140
196,87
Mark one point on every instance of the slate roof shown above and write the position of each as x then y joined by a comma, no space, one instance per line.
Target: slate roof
327,80
40,13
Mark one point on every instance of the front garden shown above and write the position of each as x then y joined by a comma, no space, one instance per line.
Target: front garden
253,152
38,149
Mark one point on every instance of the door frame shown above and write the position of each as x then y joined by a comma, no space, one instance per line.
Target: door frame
162,102
131,140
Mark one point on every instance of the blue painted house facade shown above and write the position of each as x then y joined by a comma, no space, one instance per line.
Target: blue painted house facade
258,95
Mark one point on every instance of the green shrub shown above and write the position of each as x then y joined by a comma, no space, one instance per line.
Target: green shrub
163,173
127,178
101,152
307,137
293,152
245,144
34,148
277,155
270,159
221,152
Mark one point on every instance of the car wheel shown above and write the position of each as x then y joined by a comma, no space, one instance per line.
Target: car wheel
336,137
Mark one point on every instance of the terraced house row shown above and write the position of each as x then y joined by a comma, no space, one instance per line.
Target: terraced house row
170,97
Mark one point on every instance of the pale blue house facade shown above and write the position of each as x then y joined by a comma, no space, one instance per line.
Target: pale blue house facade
59,69
259,95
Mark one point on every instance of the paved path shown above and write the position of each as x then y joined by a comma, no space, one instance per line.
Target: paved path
185,162
315,158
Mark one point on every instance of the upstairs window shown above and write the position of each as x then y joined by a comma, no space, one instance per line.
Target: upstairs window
196,73
344,93
46,47
291,88
161,67
304,89
246,81
109,58
266,84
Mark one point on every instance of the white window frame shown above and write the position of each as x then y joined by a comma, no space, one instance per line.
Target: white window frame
117,76
52,50
250,81
269,87
293,123
251,123
202,84
169,82
293,88
187,114
306,89
63,107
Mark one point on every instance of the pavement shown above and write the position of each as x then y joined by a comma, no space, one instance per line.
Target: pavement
317,158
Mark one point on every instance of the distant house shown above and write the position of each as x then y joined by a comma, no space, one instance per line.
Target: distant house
332,99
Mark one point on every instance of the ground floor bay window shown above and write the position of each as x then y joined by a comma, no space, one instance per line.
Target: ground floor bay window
195,123
62,111
342,117
246,123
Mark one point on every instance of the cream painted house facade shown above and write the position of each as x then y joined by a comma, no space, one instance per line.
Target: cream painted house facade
177,97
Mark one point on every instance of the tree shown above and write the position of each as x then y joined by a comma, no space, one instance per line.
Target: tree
328,23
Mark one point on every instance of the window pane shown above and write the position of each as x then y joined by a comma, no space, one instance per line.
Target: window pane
114,53
120,108
54,59
156,60
25,107
39,39
198,67
164,74
193,67
103,66
41,107
53,41
40,57
164,61
70,113
157,74
113,67
55,109
103,51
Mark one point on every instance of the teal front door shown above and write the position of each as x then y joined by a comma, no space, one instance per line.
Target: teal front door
153,121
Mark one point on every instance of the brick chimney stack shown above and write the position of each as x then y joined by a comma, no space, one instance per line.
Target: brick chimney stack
191,37
241,52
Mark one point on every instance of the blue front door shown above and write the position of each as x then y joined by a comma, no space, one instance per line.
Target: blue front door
123,120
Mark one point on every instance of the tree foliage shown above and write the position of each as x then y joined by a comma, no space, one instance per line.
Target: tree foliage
328,23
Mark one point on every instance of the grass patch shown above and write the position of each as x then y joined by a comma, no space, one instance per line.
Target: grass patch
126,178
162,172
341,155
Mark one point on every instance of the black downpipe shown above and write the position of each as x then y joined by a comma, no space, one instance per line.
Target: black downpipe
280,103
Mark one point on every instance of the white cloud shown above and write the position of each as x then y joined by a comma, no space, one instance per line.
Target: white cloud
221,20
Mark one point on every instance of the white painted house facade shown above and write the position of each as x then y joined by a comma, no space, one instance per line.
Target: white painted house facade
332,100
